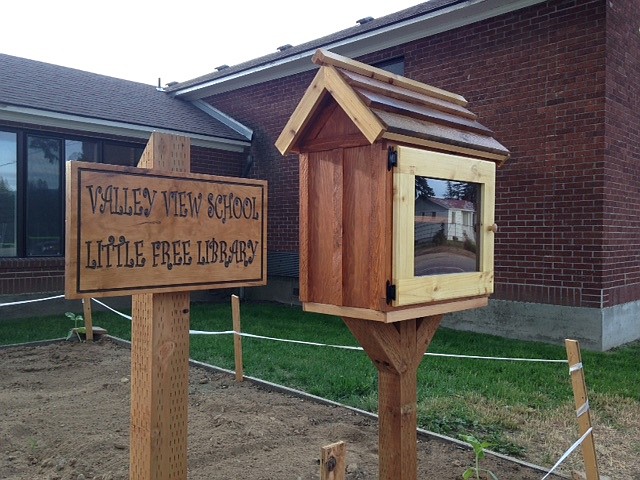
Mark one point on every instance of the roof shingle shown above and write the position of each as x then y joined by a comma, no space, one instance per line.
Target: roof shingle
43,86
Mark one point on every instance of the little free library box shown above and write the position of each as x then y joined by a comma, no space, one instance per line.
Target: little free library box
135,230
397,193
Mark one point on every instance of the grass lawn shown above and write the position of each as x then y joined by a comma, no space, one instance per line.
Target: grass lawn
520,407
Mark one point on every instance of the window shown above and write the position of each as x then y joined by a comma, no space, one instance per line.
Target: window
43,204
394,65
32,167
430,254
8,193
81,150
126,155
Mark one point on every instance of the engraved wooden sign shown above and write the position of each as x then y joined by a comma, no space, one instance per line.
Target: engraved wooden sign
134,230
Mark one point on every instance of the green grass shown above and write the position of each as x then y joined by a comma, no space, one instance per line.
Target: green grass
450,391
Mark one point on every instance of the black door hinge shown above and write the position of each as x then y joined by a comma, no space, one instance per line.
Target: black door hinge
391,292
392,158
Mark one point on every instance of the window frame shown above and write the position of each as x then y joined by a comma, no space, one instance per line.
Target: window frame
411,289
18,206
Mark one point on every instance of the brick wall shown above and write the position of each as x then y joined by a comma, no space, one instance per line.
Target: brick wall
265,109
537,77
217,162
31,275
621,245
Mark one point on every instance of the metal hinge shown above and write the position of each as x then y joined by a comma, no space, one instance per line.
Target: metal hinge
391,292
392,158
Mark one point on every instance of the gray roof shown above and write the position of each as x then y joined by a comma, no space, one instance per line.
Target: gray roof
375,24
52,88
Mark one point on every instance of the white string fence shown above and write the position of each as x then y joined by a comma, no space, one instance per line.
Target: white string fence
347,347
300,342
21,302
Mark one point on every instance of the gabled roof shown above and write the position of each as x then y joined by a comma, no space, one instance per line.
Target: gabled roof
420,21
38,92
383,105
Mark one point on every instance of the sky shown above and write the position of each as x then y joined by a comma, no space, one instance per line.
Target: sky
143,40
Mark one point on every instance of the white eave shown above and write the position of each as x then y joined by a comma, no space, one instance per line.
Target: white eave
431,23
224,118
95,125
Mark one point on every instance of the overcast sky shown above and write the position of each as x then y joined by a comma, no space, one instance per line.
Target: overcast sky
141,40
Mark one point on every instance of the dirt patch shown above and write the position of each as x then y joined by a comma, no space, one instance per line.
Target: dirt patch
64,411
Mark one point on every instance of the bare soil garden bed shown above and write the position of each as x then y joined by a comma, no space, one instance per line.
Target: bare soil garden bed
64,414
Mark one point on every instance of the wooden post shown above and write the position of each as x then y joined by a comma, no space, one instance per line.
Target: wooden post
396,349
237,338
160,355
333,461
582,408
88,319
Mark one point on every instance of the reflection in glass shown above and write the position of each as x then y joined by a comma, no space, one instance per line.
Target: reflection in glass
8,180
445,227
43,207
81,150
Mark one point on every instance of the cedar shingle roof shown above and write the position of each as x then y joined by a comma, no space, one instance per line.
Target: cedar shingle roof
43,86
387,106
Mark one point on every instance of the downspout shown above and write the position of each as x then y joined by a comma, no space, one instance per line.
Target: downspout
247,166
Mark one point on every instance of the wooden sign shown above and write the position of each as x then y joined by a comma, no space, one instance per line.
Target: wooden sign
133,230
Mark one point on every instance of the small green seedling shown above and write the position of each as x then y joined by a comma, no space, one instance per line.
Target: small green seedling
479,449
76,330
33,444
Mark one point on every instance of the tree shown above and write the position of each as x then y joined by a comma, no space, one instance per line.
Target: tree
423,189
469,192
461,191
453,190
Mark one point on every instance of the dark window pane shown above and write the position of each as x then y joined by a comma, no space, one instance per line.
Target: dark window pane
446,215
115,154
395,65
8,184
44,197
81,150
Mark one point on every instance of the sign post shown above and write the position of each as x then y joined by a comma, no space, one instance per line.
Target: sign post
158,232
160,356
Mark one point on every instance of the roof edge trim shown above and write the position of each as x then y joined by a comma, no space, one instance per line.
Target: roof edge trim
433,22
222,117
95,125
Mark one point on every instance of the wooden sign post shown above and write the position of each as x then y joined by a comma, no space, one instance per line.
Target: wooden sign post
157,232
377,246
160,356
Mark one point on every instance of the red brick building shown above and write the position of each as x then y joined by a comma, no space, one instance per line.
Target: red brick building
557,81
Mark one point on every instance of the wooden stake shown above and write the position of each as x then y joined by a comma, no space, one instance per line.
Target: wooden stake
160,355
88,319
396,349
237,338
582,408
333,461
